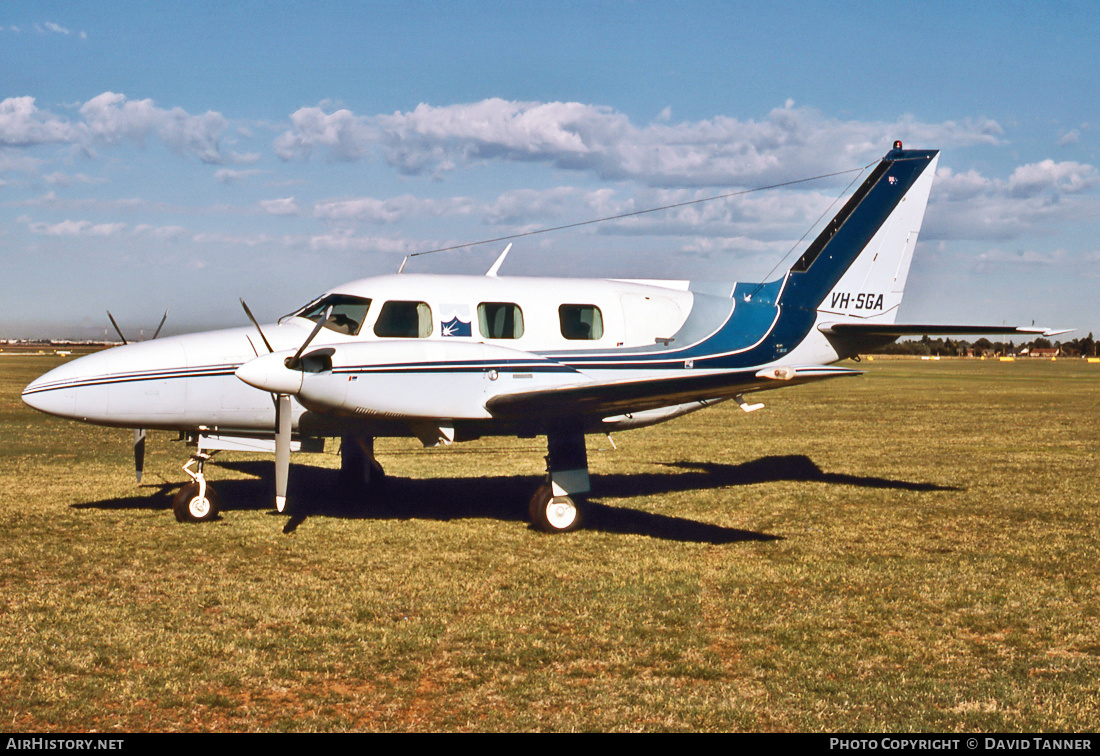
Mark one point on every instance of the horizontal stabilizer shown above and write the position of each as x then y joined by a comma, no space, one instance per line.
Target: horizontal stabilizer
915,329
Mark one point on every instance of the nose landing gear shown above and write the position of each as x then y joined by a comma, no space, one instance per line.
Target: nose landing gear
196,501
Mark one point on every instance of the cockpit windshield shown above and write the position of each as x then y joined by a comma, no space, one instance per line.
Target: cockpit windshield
348,312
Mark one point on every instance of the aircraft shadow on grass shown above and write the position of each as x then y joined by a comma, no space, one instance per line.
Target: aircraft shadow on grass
503,498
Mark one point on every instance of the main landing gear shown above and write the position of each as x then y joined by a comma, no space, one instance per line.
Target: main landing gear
558,505
196,501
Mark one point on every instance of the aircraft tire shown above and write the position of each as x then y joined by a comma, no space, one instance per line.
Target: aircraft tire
188,507
554,514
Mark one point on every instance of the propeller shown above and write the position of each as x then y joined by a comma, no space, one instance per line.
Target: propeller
157,332
117,329
139,433
139,452
248,312
283,411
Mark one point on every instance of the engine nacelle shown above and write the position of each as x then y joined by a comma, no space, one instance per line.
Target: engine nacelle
401,379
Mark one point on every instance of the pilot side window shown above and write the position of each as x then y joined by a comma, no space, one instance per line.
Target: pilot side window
347,316
404,320
500,320
580,322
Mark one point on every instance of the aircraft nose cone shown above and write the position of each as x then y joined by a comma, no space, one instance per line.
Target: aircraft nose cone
55,401
57,392
270,373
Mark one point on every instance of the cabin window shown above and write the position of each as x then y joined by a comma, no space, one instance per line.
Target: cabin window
348,312
580,322
404,320
500,320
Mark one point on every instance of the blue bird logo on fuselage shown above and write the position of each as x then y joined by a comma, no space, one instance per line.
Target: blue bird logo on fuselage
455,327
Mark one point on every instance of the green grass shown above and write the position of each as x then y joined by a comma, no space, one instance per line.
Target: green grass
915,549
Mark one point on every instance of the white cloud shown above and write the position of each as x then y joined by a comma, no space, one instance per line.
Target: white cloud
522,206
391,210
161,233
284,206
110,118
58,178
789,143
23,124
75,228
12,161
345,136
346,241
244,240
1051,177
772,216
245,158
1073,136
230,176
996,258
86,228
1035,198
953,186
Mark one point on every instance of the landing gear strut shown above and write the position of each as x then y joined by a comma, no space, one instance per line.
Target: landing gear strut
196,501
558,505
360,472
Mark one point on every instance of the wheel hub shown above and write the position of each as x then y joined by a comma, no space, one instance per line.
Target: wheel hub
561,512
199,506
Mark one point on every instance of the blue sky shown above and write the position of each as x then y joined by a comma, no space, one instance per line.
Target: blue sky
183,155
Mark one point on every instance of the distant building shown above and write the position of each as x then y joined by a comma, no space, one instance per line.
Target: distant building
1040,352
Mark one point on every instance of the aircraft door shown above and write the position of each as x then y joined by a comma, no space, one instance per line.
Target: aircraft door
650,317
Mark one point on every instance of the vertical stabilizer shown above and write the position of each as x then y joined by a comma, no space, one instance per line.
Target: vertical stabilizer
857,267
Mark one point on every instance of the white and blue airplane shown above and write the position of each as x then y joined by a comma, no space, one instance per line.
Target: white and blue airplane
450,358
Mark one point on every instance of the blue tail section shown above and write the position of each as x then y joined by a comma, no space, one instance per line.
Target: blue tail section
854,271
850,232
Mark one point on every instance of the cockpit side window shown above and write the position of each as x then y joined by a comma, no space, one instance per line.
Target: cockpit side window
348,312
404,320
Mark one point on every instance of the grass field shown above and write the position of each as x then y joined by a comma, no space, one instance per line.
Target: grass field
915,549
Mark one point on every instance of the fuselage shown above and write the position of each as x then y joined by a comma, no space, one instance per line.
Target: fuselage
403,347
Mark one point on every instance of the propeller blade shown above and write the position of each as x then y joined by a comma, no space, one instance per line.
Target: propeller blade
294,361
248,312
139,452
282,450
161,324
117,329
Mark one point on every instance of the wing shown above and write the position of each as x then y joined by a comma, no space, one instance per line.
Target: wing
603,398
